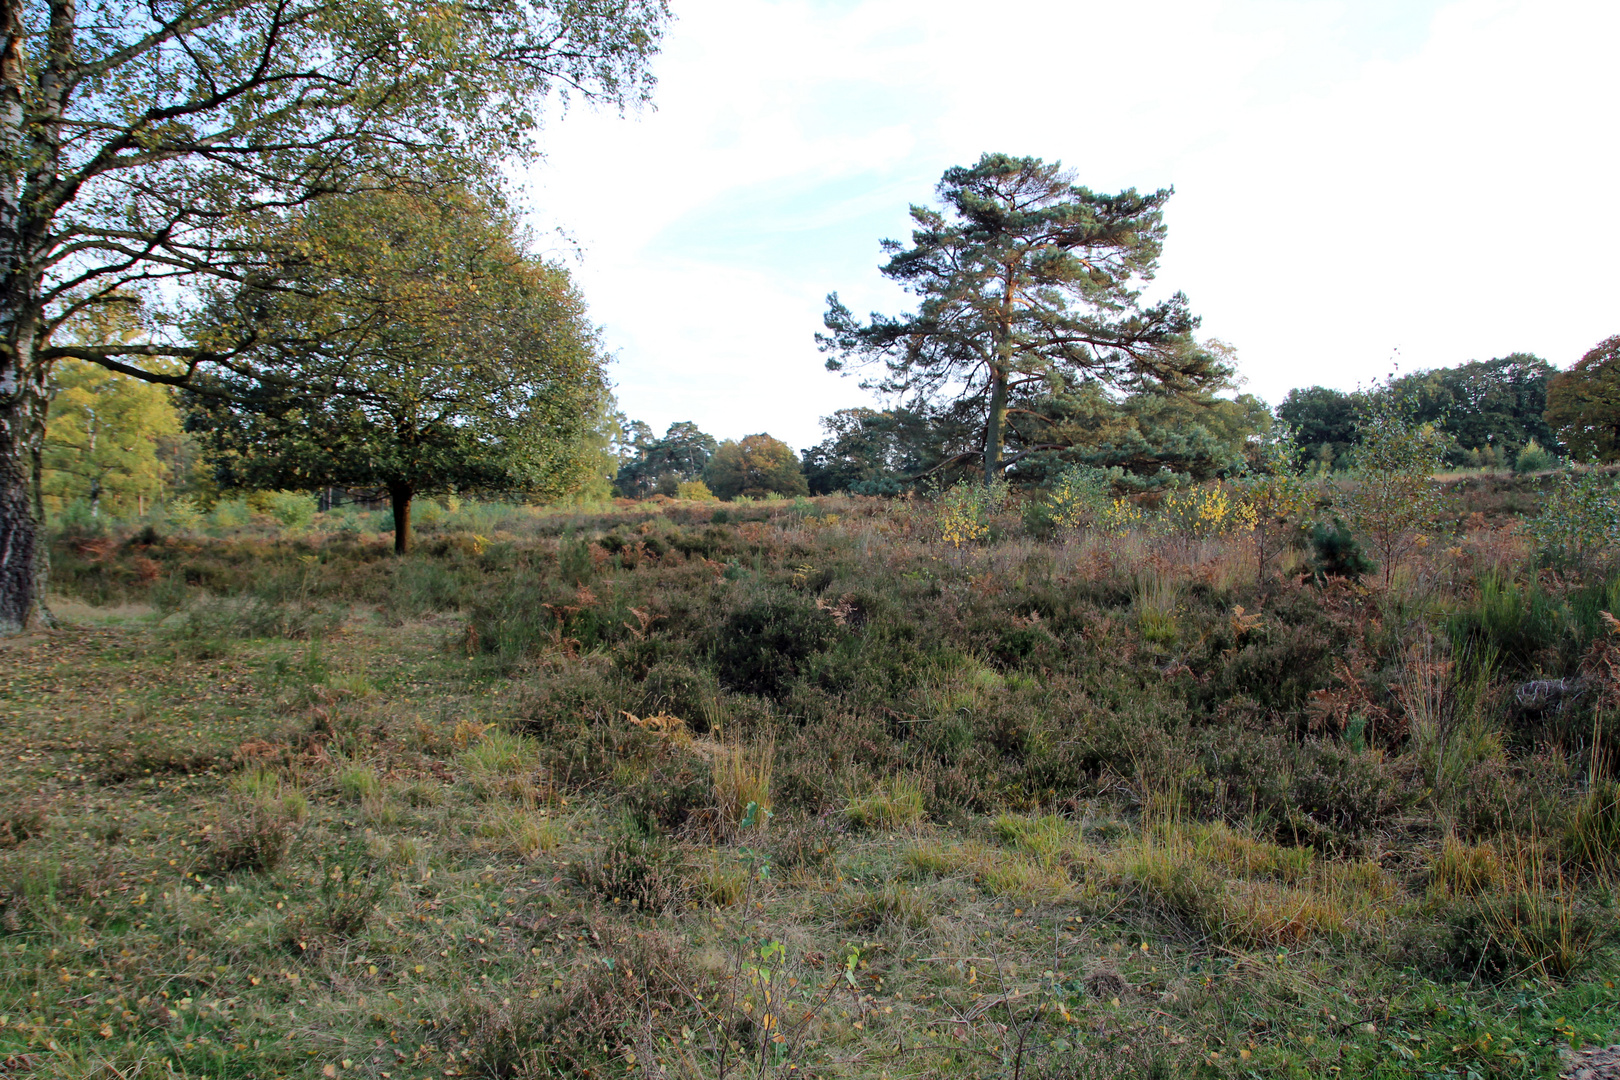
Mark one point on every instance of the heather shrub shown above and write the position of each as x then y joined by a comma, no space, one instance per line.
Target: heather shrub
764,645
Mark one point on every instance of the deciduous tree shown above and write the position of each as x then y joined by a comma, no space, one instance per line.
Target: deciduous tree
755,466
416,348
148,145
103,442
1583,403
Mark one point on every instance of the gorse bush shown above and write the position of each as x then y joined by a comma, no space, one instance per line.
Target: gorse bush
1080,496
965,511
1203,511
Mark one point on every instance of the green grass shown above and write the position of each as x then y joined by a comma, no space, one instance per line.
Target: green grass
1013,828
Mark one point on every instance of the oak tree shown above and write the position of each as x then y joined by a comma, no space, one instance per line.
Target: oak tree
415,348
146,145
1583,403
754,467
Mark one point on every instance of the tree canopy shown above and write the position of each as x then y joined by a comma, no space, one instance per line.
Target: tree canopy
1023,278
1323,421
416,348
145,147
755,466
105,440
1583,403
659,466
1488,410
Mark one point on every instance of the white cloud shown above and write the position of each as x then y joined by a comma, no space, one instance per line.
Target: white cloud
1351,178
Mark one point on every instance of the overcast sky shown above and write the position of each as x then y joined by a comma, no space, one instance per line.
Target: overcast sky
1353,179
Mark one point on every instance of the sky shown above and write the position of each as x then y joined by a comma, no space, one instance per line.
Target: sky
1359,186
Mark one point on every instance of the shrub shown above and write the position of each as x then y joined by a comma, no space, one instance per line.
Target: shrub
1394,498
640,872
809,844
1336,553
1080,496
1205,510
1532,457
295,510
763,648
685,691
695,490
964,511
1581,515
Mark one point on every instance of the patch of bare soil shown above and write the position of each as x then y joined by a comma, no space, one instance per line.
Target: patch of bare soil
1593,1064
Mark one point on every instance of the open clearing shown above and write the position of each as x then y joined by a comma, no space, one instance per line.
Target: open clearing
799,790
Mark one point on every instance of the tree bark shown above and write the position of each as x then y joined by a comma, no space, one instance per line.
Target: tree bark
995,428
400,495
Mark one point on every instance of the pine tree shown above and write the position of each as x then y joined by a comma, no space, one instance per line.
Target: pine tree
1022,278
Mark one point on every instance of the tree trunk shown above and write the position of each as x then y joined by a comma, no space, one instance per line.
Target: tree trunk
401,494
995,427
27,168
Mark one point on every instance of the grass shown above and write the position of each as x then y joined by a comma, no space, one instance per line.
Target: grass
1015,829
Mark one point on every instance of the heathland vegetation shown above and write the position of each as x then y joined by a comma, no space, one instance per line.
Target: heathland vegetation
1062,785
1073,715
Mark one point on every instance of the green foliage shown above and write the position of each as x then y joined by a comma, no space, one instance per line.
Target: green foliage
435,355
764,646
197,135
695,490
106,440
1324,424
1336,553
1393,498
1157,439
1487,410
1276,500
293,509
660,466
1532,458
756,467
1203,511
1580,516
1080,495
964,512
1583,403
1024,277
873,452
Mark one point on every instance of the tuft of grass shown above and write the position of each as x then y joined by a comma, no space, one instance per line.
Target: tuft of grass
896,804
358,783
252,835
742,778
1535,922
524,833
1462,869
1045,837
501,753
1592,834
722,885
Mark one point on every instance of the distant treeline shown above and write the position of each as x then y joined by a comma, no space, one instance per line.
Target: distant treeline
1490,413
